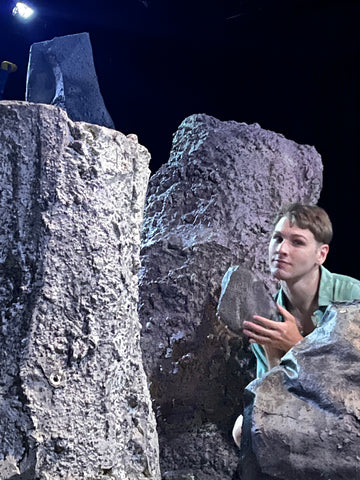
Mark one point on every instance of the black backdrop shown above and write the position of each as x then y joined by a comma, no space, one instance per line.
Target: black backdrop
291,66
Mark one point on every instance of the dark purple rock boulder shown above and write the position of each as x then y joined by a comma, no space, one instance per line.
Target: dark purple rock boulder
210,207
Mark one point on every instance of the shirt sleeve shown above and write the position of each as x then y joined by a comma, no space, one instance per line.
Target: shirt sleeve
355,292
345,289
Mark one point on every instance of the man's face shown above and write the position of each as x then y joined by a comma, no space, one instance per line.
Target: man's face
294,252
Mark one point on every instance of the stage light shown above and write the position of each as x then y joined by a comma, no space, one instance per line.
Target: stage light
23,10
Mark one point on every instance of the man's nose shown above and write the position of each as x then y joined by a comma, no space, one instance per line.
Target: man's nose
282,247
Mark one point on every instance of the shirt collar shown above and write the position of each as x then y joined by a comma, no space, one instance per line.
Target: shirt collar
325,289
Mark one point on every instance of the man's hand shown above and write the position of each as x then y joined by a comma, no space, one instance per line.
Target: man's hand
276,337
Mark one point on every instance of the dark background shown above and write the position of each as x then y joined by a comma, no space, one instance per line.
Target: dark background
289,65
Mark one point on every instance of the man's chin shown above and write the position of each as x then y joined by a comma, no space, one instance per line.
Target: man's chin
278,274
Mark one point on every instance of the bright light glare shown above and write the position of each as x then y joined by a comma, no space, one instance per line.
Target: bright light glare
23,10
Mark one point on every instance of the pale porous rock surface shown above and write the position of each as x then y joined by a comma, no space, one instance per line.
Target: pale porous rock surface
307,410
209,207
61,72
74,402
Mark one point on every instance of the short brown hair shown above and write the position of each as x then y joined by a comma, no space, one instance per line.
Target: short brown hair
312,217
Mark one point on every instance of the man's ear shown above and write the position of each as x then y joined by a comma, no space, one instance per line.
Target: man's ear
322,253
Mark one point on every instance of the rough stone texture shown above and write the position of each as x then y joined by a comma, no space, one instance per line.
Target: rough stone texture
307,410
242,295
208,208
61,72
74,401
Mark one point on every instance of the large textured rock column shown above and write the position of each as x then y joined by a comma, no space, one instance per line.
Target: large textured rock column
209,207
74,401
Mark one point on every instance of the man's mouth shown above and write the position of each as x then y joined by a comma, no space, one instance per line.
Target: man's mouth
280,262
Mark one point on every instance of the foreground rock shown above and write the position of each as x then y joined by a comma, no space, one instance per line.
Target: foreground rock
209,207
242,295
304,416
61,72
74,401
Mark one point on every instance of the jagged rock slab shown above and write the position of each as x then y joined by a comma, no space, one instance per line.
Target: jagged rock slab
211,206
243,295
61,72
305,414
74,401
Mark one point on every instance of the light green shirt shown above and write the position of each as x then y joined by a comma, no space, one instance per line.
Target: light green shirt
333,288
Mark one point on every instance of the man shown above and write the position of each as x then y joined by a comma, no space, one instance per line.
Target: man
298,248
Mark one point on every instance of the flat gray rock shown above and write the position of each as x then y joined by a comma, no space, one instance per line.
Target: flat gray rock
243,295
61,72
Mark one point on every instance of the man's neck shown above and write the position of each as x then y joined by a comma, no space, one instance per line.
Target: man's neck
302,294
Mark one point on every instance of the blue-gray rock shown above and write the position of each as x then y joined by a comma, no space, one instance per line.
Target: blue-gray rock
243,295
61,72
302,419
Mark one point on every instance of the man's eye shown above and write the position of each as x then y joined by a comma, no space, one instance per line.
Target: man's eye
298,242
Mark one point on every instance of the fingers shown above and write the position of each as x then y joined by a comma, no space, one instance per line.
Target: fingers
261,339
256,331
266,332
262,332
266,322
280,335
287,315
